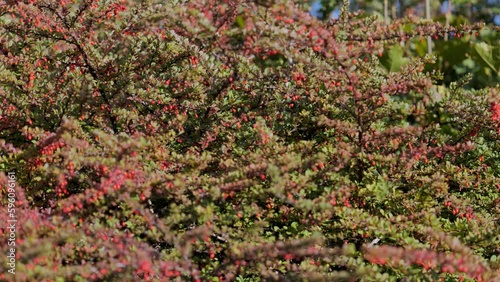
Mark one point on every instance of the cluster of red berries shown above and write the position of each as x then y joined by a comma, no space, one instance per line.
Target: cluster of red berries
495,112
49,149
468,214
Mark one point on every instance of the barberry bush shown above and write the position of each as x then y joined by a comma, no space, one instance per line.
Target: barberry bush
240,141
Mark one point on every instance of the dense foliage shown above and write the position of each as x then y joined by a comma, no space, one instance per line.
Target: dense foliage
233,140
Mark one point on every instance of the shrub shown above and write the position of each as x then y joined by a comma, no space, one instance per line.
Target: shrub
229,140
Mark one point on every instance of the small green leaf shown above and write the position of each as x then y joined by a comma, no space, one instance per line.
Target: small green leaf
240,22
